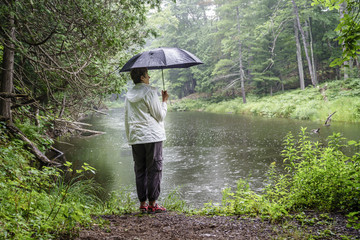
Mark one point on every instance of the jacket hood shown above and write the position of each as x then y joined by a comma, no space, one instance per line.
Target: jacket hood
137,92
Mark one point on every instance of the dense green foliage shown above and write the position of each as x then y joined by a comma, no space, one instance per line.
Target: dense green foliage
67,53
348,28
260,35
317,176
37,204
312,103
48,203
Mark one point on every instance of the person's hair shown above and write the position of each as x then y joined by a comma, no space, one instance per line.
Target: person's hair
136,74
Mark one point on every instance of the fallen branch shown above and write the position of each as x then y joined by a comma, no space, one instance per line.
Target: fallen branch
11,95
59,153
76,123
328,120
99,112
32,147
86,130
66,143
65,124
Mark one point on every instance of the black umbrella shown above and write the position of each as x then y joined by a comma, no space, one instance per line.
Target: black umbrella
162,58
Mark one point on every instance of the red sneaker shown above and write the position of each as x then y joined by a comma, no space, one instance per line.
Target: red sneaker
144,209
156,209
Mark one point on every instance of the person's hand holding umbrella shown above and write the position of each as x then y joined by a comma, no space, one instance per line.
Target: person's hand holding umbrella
164,95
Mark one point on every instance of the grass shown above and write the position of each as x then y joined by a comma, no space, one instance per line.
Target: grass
309,104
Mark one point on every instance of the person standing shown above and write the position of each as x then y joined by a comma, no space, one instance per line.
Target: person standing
145,132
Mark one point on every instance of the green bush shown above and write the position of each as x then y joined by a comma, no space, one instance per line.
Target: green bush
317,176
40,204
321,177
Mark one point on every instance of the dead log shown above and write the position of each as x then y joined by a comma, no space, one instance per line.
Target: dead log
328,120
32,147
81,123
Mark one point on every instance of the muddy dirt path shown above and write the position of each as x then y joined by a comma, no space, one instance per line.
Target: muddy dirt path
177,226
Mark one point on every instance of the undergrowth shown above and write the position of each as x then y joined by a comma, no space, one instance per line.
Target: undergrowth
316,177
41,203
47,202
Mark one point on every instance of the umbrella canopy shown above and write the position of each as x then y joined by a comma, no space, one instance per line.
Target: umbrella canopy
162,58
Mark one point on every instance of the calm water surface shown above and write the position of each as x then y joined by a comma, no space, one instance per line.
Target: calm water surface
203,154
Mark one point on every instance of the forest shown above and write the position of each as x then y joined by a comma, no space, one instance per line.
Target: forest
64,60
258,47
60,62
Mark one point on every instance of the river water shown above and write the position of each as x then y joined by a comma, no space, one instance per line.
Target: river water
203,153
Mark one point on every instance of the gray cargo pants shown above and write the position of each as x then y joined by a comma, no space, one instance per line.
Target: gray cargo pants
148,170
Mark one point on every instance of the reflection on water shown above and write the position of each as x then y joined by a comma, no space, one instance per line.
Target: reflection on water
203,154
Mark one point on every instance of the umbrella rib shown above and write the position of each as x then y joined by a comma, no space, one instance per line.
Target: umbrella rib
165,62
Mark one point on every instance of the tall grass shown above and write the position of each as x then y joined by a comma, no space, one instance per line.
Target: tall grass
41,203
310,104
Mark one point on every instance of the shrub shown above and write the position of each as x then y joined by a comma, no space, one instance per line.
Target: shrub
40,204
319,177
316,176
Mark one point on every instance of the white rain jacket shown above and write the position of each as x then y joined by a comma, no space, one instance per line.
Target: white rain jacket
144,115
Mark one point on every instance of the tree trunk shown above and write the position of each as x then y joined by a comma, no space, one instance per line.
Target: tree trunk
305,43
299,57
312,51
346,63
8,69
241,70
192,84
282,83
62,106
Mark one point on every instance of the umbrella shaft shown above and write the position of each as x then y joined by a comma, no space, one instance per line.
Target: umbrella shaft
162,71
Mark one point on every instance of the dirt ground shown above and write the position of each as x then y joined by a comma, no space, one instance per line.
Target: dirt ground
175,226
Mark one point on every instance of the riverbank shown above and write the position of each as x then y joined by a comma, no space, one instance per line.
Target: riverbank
43,204
164,226
304,202
315,104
